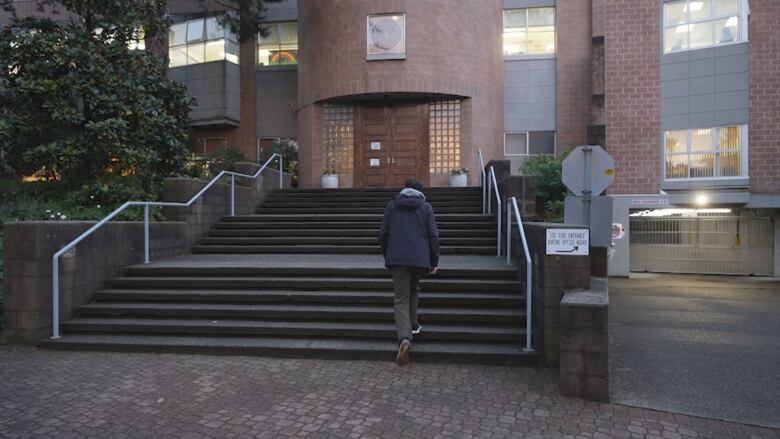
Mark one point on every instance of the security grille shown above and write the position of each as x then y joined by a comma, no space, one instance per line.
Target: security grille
703,244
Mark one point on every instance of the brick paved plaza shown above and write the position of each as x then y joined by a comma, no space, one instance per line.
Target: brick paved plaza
82,394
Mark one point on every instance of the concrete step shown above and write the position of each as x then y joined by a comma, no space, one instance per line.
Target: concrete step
318,209
287,347
332,240
365,233
373,200
347,218
229,224
344,270
299,312
432,298
311,283
431,191
328,249
316,330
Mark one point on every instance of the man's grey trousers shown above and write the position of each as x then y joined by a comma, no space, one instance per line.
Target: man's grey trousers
405,281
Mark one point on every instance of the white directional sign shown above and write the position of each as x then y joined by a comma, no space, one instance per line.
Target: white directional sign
588,170
568,242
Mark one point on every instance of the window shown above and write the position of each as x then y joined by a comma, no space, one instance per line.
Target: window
208,146
280,47
529,31
694,24
444,132
199,41
338,134
529,143
386,36
706,153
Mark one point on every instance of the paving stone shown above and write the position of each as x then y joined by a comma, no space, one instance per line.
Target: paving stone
121,395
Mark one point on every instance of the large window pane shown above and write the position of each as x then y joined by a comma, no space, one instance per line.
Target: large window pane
541,17
702,165
514,18
515,42
231,54
541,42
701,10
516,144
177,35
727,30
214,30
541,142
195,30
677,166
730,164
676,38
674,13
196,53
701,139
288,33
177,56
726,7
677,142
215,50
728,137
700,35
273,35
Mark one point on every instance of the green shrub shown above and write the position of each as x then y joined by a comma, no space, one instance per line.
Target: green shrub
550,189
288,148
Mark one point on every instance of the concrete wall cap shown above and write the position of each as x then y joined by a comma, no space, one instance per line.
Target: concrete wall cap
579,297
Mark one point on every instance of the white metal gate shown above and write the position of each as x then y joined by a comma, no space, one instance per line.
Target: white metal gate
703,244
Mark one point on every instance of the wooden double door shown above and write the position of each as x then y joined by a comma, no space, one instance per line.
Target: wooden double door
391,144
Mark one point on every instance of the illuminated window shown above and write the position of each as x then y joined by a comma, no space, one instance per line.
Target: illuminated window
280,47
529,31
338,134
199,41
706,153
444,132
693,24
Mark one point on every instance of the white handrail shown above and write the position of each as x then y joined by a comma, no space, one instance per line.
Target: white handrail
484,177
498,209
528,271
55,259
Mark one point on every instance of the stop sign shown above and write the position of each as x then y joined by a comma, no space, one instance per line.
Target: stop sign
588,168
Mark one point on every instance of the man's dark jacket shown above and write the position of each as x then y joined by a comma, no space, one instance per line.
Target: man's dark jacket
409,235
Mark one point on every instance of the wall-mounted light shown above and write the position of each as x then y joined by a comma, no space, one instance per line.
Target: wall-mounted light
702,200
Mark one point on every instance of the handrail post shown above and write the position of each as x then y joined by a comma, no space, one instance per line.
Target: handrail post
489,196
146,233
232,195
55,298
509,233
281,173
498,237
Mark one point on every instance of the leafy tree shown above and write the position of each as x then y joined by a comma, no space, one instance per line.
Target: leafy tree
550,189
77,104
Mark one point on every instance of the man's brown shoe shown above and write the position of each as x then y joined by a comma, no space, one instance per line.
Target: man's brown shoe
403,353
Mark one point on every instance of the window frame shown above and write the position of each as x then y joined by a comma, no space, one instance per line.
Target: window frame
278,24
388,55
743,14
528,143
531,55
716,151
227,38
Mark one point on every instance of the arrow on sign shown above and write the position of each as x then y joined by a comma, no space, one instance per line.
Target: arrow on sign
576,247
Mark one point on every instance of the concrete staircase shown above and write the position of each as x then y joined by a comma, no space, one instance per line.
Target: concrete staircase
303,278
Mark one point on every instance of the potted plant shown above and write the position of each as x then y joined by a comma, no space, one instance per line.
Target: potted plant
459,177
330,179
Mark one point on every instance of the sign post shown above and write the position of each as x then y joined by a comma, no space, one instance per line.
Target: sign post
586,171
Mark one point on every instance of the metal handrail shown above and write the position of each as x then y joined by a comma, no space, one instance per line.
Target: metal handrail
55,259
528,272
482,181
498,209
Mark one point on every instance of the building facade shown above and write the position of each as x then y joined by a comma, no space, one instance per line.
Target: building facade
684,94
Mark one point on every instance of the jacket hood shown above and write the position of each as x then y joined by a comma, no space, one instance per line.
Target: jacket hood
410,199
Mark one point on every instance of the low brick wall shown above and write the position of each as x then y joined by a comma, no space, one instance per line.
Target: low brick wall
29,247
584,369
552,275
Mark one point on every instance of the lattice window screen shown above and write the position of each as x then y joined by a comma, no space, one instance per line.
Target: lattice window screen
338,135
444,136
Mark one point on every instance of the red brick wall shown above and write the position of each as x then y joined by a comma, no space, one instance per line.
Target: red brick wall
453,47
632,93
764,128
573,73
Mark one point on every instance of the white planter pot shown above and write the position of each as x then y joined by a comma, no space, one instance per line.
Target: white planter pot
459,180
330,181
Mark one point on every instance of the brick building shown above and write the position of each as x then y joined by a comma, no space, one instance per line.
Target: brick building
684,94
